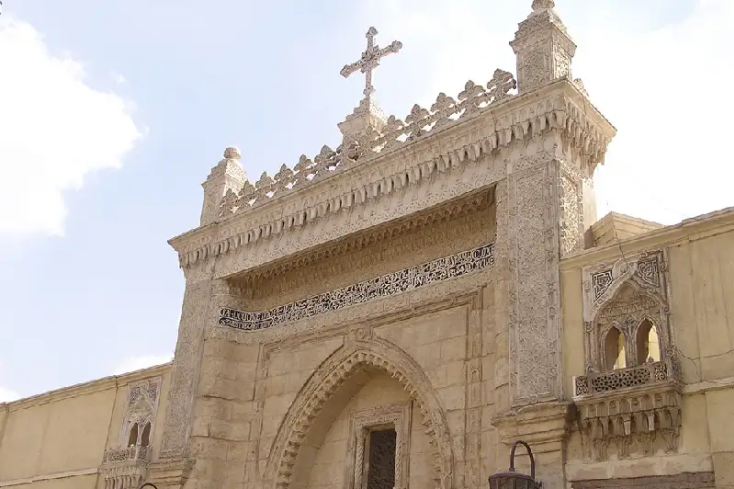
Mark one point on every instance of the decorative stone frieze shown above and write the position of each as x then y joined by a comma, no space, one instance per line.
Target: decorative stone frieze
467,159
631,394
384,286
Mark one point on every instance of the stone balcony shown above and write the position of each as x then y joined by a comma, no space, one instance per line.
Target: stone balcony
135,453
125,468
630,407
648,374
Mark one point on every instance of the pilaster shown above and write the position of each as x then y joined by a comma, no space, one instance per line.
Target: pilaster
202,300
545,427
533,241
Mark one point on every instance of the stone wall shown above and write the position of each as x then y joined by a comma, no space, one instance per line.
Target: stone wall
699,267
274,407
58,440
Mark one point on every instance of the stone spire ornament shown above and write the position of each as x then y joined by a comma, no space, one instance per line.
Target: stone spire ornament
539,5
543,48
227,175
367,116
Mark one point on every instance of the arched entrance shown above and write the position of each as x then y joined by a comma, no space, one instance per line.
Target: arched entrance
343,371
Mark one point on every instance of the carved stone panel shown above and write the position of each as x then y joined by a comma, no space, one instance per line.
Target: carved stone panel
533,253
141,407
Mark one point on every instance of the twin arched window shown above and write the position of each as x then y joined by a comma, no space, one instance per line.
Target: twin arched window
619,353
138,436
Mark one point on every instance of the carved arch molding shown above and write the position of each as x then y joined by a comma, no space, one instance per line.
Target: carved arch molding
336,370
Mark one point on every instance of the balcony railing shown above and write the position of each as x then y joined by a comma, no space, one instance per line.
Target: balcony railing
648,374
129,454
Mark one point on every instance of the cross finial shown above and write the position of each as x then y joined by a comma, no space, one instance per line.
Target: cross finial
369,61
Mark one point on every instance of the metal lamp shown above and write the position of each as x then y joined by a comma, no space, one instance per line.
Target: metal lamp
512,479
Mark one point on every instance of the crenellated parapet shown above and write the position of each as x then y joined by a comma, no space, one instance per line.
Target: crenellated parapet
397,133
454,148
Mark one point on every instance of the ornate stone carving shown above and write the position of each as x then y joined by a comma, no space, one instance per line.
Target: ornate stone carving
420,121
479,140
386,285
633,406
543,47
141,408
534,301
571,212
359,423
124,467
331,375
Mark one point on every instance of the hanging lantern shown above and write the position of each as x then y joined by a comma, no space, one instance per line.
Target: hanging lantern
148,484
512,479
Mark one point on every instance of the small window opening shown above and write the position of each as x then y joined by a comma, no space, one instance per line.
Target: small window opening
145,438
614,350
381,468
648,343
132,440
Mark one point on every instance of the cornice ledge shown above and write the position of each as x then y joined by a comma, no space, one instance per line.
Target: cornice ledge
172,471
90,387
543,424
712,223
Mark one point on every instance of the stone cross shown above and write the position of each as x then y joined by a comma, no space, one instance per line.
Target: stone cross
370,60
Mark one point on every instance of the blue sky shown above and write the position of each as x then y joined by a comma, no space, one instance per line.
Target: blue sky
113,113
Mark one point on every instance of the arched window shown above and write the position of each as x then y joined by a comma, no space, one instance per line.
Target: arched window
145,439
648,344
132,440
614,353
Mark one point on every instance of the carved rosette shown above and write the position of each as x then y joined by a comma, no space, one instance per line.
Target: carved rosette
635,408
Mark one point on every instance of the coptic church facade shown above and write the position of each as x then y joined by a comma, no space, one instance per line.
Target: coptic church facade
396,312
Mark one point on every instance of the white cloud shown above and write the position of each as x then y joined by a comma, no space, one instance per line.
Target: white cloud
138,363
55,131
7,395
665,89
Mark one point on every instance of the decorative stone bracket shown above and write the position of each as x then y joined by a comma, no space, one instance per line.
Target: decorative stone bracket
125,468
